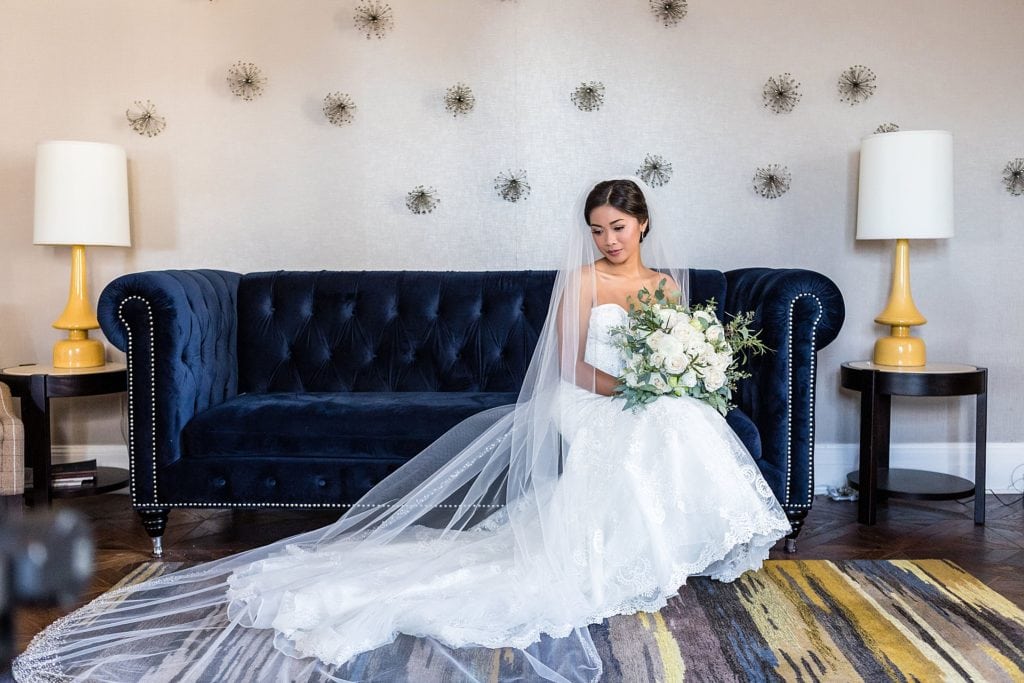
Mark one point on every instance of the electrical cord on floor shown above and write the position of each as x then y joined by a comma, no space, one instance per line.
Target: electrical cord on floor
1016,483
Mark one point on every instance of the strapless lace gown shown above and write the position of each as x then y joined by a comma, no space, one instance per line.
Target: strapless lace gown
648,499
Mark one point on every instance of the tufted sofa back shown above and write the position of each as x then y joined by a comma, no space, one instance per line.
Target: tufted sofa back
397,331
388,331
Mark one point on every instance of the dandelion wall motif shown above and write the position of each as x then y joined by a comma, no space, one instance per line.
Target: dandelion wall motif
422,199
772,181
781,93
339,108
588,96
512,186
887,128
246,80
655,171
459,100
143,119
669,12
1013,177
856,84
374,18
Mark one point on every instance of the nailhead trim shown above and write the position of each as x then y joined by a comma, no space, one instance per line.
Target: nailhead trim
131,394
810,402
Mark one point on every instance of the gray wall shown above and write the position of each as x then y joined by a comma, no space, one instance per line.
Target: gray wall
270,184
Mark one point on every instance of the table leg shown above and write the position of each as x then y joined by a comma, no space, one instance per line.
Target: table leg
35,415
980,443
875,411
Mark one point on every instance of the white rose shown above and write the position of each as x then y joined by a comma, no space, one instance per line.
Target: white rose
667,317
695,345
657,359
721,361
676,363
659,384
715,333
689,379
683,332
632,380
655,339
704,318
714,379
670,346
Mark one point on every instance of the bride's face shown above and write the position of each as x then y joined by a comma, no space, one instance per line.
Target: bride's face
616,233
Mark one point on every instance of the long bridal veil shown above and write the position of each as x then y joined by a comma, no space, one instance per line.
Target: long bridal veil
489,480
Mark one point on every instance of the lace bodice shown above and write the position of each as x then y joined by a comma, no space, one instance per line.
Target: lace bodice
601,351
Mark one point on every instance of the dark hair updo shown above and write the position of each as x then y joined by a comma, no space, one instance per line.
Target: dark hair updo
621,194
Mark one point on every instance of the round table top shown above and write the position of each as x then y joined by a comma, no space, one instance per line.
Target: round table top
929,369
36,369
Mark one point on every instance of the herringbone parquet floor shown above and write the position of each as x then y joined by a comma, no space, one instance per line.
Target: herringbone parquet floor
906,530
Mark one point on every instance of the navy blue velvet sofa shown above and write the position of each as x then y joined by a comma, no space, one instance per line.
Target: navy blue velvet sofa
304,389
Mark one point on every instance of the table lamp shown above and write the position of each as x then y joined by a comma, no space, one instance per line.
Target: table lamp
906,192
81,199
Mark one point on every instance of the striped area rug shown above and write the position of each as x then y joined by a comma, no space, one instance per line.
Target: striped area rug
811,620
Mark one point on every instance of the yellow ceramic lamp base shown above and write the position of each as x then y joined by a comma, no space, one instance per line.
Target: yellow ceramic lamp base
78,351
899,348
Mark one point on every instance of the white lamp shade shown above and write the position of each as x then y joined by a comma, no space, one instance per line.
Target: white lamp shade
906,185
81,194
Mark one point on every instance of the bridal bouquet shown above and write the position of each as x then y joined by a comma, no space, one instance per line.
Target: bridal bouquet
671,349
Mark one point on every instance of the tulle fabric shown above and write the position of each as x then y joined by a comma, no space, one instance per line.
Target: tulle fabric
487,554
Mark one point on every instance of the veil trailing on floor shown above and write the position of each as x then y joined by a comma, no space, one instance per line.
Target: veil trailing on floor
288,610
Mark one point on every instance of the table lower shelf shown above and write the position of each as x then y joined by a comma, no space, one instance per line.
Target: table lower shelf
917,484
107,479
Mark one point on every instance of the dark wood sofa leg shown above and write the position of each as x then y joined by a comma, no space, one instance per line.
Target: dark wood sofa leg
154,521
796,521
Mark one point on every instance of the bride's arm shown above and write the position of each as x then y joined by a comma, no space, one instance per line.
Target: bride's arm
584,375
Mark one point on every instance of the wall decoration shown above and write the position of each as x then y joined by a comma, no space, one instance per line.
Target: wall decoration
772,181
655,171
459,100
374,18
856,84
669,12
1013,177
246,80
339,108
588,96
887,128
422,199
781,93
144,120
512,186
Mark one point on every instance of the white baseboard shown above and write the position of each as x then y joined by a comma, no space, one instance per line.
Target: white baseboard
1004,469
1005,461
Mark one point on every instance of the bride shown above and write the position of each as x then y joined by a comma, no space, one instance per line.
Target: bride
489,554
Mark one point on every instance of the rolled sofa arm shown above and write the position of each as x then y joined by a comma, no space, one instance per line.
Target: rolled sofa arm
178,330
799,312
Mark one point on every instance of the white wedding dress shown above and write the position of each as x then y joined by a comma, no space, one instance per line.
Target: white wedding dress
646,499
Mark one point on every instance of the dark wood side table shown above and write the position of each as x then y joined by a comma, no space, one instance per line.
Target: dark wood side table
35,385
877,385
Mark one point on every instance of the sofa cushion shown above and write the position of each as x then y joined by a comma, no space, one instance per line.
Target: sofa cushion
354,425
